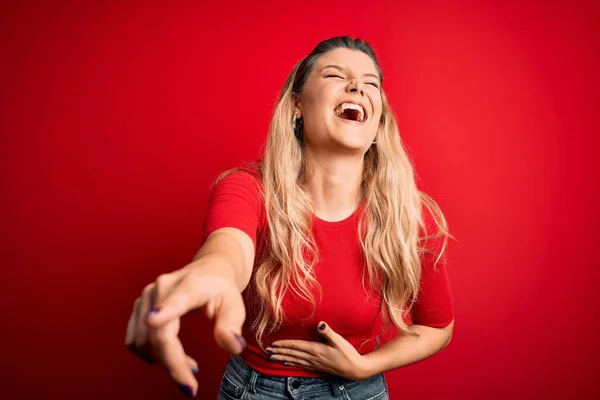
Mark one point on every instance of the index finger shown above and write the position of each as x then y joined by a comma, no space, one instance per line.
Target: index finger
183,297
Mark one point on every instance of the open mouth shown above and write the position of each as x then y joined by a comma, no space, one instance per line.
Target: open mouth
350,112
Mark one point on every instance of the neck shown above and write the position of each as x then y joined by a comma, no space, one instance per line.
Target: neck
334,184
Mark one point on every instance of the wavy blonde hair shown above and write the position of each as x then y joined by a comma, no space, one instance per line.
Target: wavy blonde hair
389,226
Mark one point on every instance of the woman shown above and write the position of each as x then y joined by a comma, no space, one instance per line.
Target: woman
322,242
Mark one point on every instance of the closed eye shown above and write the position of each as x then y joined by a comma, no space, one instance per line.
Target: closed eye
375,84
334,76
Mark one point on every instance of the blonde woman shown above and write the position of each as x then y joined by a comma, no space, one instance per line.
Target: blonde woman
308,252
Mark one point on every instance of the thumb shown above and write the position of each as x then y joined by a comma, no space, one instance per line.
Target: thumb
178,303
329,334
229,319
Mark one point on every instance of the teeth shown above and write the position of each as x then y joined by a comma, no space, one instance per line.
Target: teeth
344,106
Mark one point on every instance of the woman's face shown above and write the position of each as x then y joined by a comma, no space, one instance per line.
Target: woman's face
341,101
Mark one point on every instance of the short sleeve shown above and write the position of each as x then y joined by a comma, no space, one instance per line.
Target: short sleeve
434,306
234,202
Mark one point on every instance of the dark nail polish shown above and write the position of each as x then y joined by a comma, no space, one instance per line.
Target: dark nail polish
195,370
185,389
154,310
273,345
322,326
241,340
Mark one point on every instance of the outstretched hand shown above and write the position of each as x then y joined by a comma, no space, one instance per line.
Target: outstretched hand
153,328
336,357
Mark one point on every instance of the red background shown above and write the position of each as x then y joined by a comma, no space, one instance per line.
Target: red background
116,116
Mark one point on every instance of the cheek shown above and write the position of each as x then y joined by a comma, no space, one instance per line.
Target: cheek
314,125
316,115
377,103
378,111
314,110
314,98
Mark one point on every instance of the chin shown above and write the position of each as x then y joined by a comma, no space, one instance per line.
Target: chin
354,145
348,138
354,139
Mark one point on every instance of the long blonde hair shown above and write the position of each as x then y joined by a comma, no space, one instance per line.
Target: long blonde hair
389,226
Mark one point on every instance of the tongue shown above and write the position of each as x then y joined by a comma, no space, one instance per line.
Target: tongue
349,114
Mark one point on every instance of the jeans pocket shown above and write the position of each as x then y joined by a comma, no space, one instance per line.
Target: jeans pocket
373,388
230,390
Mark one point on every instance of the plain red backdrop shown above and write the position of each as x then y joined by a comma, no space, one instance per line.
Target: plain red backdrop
116,116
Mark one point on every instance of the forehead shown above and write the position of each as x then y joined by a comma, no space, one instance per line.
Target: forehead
352,60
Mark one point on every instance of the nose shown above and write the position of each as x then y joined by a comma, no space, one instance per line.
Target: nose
355,86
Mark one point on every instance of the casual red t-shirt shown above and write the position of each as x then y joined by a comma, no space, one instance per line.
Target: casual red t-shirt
344,305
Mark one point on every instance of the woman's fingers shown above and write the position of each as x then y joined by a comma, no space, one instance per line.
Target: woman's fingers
229,319
143,351
211,307
130,334
223,304
145,303
192,364
176,305
169,350
153,328
178,295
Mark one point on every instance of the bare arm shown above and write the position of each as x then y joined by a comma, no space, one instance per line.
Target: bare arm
228,253
405,350
213,281
338,357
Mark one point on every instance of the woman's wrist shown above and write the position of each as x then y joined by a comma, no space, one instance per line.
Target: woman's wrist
213,264
406,349
368,366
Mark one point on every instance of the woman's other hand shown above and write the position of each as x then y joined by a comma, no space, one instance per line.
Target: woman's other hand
336,357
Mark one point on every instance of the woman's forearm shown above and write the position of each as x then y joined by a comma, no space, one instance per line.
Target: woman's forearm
228,253
405,349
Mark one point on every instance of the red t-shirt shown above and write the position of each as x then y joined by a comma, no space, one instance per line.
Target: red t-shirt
345,305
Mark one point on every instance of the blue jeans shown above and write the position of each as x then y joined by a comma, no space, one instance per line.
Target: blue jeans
240,382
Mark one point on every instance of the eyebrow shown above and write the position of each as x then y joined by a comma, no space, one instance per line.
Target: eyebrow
343,70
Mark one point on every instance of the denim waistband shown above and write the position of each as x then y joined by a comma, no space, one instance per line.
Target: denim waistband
280,384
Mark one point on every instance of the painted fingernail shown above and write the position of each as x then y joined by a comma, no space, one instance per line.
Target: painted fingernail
153,310
185,389
322,326
286,364
195,370
241,340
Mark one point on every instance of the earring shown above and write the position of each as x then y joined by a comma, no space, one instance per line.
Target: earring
297,123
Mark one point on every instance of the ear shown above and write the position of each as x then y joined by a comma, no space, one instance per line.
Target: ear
297,105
